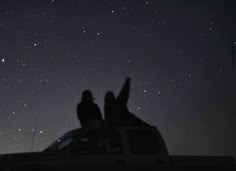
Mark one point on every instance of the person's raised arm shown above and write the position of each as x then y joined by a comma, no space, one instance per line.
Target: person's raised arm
124,93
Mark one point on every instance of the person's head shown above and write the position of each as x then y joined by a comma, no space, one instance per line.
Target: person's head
87,96
109,97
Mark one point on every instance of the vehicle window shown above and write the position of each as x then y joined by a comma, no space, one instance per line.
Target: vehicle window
60,144
143,142
64,143
99,142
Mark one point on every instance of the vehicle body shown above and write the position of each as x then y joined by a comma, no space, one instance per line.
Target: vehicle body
110,148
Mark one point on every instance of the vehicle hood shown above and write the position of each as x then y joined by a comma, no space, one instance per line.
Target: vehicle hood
24,156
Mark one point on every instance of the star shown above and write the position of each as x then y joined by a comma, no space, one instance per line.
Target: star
129,61
19,81
3,60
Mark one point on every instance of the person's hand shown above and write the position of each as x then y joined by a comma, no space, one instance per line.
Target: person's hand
128,79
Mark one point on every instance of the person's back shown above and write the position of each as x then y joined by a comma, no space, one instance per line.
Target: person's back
87,110
109,104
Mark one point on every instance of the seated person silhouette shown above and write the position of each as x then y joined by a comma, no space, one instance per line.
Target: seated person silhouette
109,104
87,111
116,110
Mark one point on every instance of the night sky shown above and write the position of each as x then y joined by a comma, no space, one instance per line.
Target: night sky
178,54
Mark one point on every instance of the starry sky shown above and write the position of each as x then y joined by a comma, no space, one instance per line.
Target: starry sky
178,54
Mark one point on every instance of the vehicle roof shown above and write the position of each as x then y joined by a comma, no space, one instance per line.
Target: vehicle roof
81,130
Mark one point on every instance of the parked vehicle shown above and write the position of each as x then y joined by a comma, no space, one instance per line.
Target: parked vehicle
114,148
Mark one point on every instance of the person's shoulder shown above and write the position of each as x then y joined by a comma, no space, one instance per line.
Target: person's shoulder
94,104
79,105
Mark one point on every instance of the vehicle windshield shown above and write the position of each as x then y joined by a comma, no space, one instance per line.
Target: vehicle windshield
62,143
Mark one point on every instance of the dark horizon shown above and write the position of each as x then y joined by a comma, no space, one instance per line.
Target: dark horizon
178,54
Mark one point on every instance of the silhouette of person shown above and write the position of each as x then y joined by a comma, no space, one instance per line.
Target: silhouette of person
87,110
109,102
116,109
